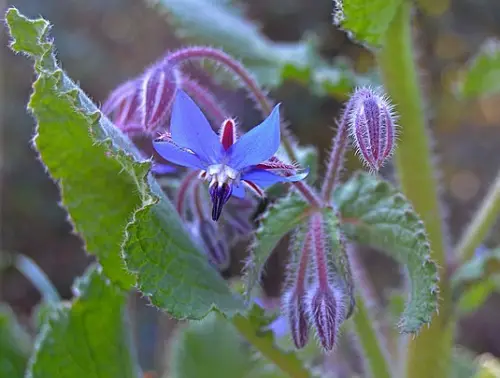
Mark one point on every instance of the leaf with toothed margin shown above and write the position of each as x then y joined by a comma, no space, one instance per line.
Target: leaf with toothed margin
281,217
367,21
15,344
374,213
89,337
222,25
115,204
482,75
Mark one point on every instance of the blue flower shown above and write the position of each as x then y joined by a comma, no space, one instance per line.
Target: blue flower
229,164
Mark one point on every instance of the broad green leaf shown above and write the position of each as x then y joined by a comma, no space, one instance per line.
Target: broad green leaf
217,23
209,348
366,20
373,212
115,204
15,345
88,338
482,75
281,217
475,295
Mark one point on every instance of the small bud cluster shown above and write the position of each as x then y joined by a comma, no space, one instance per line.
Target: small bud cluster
314,297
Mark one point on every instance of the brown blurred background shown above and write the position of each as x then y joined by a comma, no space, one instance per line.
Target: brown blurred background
103,42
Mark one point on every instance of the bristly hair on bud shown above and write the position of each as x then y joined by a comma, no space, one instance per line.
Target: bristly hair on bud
372,125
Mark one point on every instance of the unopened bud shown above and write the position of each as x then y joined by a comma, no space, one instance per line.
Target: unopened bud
296,312
122,105
327,313
214,244
372,126
159,85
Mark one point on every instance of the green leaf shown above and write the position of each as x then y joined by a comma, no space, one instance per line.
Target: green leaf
88,338
281,217
476,280
209,348
482,76
114,203
374,213
15,345
366,20
217,23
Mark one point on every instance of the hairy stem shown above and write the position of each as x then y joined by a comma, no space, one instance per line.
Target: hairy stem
286,361
308,193
481,224
429,352
372,340
38,278
337,156
250,84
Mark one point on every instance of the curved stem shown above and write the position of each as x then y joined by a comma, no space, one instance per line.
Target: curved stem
288,362
428,351
38,278
250,84
183,190
481,224
308,193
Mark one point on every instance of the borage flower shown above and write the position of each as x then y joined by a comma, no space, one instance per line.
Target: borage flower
228,164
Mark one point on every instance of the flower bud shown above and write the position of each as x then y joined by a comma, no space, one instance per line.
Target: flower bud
327,312
295,310
159,85
372,126
214,244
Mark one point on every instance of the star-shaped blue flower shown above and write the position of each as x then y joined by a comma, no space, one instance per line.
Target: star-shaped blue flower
227,163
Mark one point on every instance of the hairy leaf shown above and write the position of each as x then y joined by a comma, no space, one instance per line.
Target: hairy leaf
15,345
282,217
366,20
111,198
88,338
217,23
375,213
482,76
209,348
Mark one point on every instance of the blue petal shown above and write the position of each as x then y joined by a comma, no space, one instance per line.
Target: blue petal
190,129
257,145
162,169
174,154
265,178
239,191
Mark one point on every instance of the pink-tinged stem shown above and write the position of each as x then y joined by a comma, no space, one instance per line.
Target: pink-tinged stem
308,193
260,98
318,239
205,98
300,281
337,156
183,190
198,201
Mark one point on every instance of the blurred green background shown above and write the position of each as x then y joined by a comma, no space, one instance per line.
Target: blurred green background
103,42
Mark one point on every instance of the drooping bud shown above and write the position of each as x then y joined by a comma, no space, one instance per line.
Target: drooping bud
326,313
220,194
372,125
122,106
296,313
159,85
214,244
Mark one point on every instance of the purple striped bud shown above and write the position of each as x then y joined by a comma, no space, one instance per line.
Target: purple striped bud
327,312
295,310
372,126
159,85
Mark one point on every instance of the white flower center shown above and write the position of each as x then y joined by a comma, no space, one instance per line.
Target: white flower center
222,174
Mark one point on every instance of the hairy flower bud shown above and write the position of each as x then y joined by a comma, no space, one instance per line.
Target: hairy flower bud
159,85
327,312
372,126
296,312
